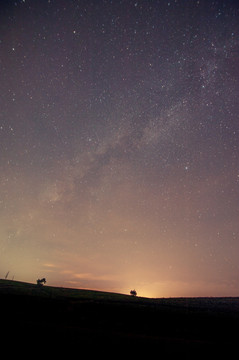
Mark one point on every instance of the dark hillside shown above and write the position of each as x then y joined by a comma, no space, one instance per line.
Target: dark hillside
82,319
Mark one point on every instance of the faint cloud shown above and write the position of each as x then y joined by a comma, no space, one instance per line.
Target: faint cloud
83,276
66,272
89,276
50,265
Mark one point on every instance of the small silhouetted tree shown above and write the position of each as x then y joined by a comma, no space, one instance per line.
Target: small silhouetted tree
133,293
40,282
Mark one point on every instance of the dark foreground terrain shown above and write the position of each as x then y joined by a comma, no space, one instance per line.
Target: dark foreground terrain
61,320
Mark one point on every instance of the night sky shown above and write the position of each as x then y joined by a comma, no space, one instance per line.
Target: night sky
119,145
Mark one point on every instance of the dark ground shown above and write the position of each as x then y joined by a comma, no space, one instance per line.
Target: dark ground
44,320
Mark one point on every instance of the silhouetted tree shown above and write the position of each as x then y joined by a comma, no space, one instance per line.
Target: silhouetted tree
133,293
40,282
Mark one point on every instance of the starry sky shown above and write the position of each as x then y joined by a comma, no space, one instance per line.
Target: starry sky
119,145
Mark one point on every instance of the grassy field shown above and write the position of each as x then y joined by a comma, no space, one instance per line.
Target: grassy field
23,288
85,319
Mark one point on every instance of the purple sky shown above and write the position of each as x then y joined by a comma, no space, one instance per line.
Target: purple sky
119,145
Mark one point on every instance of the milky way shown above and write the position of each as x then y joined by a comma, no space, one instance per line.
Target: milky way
119,145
